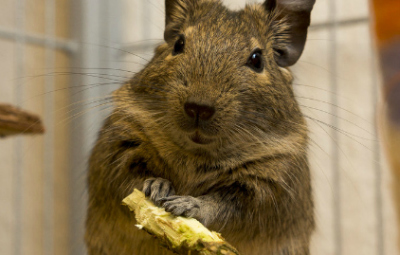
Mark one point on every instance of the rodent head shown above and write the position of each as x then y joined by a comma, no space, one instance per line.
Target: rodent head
219,82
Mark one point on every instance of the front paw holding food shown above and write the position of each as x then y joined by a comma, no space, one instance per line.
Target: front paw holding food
188,206
157,188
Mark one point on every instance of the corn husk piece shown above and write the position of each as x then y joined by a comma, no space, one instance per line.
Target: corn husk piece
179,234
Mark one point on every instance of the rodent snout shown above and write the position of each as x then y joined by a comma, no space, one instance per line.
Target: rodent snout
199,111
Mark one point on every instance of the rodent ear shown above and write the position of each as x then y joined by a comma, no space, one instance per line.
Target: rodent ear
296,15
176,13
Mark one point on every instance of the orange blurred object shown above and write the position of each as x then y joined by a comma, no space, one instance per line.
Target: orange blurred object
387,31
387,20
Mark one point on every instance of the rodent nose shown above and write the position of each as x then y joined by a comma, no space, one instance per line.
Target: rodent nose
196,111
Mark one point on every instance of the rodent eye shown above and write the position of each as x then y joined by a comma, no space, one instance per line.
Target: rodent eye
179,45
255,61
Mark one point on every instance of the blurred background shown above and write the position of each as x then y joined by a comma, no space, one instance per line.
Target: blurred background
61,59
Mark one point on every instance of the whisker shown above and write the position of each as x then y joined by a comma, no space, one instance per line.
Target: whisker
321,89
334,105
341,118
347,134
118,49
95,85
79,114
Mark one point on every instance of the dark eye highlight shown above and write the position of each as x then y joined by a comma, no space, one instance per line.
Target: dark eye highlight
255,61
179,45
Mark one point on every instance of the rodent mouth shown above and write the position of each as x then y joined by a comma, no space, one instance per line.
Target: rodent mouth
199,139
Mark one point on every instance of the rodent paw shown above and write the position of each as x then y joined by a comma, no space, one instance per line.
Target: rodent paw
181,205
157,188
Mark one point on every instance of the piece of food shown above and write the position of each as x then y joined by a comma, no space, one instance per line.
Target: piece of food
15,121
179,234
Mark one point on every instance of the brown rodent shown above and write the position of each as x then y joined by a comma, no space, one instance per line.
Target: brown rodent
210,129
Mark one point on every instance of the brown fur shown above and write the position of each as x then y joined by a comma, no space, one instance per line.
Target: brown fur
251,183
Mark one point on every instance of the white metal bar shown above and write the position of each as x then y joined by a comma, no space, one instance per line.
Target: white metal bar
105,41
19,95
59,44
86,25
146,20
48,189
96,27
337,199
112,10
380,232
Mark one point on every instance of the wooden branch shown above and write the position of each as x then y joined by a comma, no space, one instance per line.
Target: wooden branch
179,234
15,121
